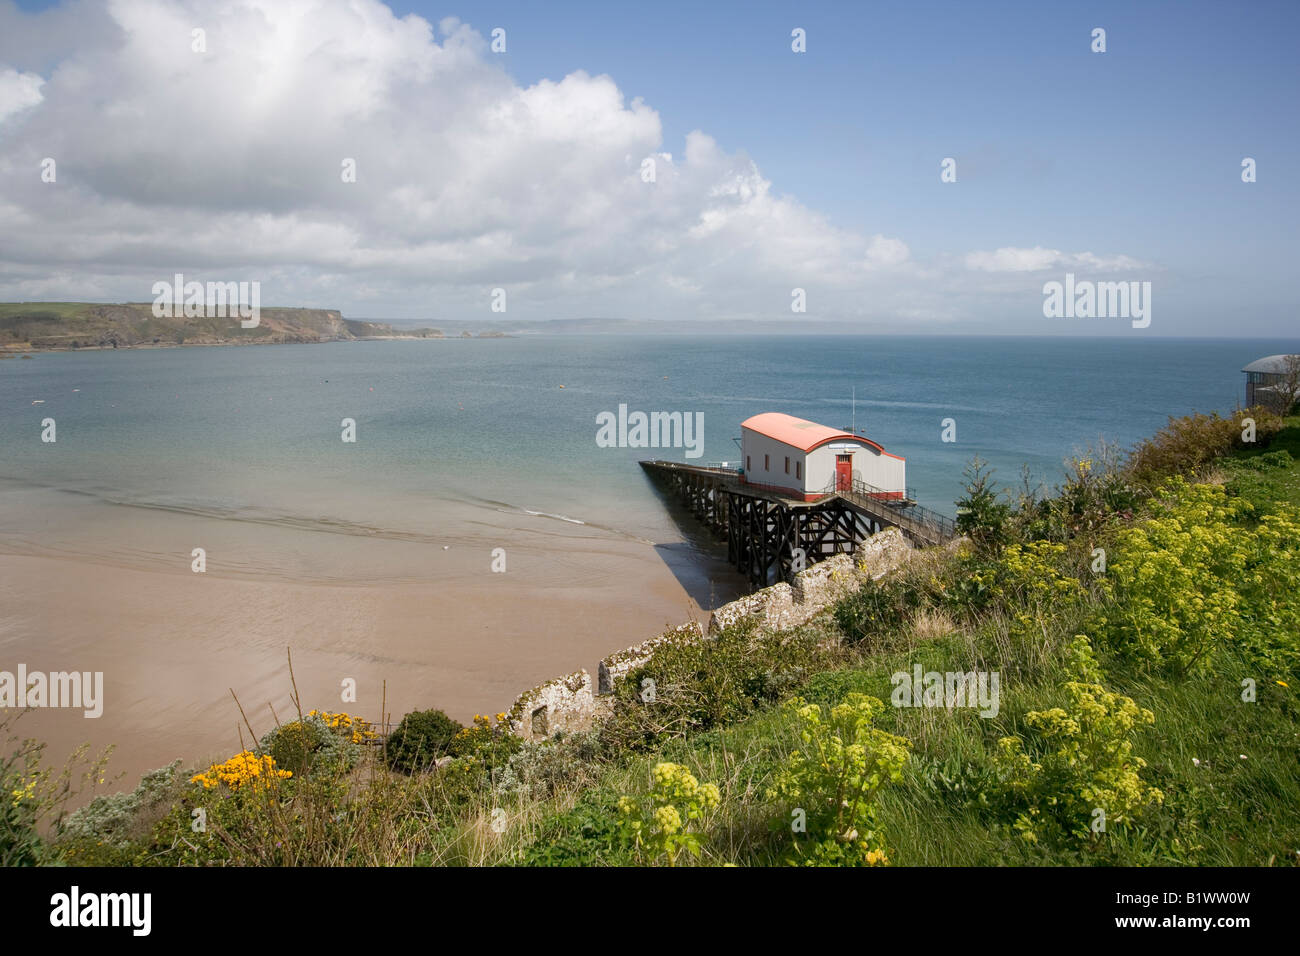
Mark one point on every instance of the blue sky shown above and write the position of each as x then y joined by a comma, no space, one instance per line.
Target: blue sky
1136,149
1135,152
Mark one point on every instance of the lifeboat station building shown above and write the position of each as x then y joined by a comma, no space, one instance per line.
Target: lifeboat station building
805,461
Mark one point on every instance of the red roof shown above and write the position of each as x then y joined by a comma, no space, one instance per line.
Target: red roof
799,433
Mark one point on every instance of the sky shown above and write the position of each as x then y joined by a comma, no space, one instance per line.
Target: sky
524,170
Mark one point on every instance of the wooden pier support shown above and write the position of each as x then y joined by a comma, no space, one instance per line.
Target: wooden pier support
771,538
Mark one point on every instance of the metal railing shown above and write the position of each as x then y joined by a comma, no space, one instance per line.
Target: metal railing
911,515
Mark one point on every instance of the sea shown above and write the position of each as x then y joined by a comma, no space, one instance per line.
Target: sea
464,426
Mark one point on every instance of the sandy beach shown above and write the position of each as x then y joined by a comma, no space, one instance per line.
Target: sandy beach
172,644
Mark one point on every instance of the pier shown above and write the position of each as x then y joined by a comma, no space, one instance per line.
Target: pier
771,535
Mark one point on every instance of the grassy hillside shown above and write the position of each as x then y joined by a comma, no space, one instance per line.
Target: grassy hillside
73,325
1147,714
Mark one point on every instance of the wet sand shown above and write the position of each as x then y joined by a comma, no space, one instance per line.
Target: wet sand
448,632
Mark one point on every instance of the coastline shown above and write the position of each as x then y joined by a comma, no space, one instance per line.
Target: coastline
7,351
415,624
28,327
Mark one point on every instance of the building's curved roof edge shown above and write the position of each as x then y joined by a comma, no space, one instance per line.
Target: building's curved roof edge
802,434
1269,363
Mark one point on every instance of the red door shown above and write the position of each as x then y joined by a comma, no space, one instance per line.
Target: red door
843,472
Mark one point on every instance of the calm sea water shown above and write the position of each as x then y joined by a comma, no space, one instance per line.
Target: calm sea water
452,432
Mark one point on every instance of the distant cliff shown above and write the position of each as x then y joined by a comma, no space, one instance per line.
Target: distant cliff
41,326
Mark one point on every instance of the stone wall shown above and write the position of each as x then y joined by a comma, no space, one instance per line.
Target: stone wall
564,705
567,704
882,552
772,606
618,664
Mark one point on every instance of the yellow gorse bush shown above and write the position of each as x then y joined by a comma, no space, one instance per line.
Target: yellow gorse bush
484,739
241,769
357,729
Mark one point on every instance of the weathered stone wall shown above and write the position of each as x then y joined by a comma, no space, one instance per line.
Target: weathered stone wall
618,664
567,704
882,552
564,704
772,606
822,585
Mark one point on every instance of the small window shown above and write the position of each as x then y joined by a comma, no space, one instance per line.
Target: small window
787,464
767,462
748,466
798,470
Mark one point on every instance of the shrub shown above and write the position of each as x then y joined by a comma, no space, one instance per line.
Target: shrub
966,591
1172,579
660,824
355,730
830,787
116,821
1082,762
701,684
420,739
1187,444
537,771
1029,577
877,608
1096,492
244,771
490,744
981,516
312,745
1200,571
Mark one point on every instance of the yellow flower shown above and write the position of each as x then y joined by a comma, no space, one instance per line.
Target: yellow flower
668,819
710,797
245,767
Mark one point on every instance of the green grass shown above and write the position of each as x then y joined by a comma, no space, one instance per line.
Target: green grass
1226,811
1255,475
60,310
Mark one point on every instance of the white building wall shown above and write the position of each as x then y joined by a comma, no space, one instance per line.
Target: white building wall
754,446
869,465
880,470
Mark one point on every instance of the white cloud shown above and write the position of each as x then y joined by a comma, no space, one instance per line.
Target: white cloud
18,91
226,165
883,252
1011,259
